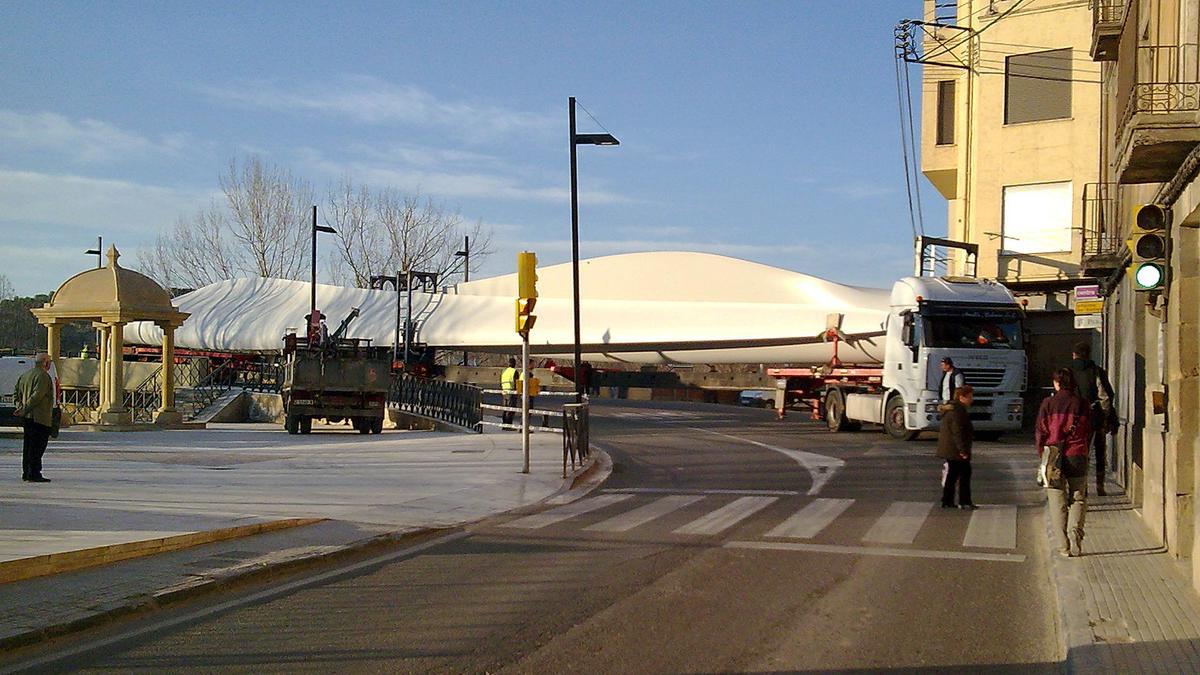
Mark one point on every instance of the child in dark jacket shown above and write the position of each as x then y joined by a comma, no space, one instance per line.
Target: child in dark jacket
1064,420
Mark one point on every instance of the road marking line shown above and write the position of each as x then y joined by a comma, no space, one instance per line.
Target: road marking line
644,514
900,523
820,467
809,521
993,526
539,520
727,516
776,493
877,551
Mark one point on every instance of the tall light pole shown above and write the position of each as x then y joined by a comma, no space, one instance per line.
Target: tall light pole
579,139
465,253
315,229
98,252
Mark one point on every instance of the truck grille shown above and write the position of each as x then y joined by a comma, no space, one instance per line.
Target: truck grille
990,378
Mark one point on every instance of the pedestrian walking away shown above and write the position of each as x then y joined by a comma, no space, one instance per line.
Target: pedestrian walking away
508,385
954,445
33,398
1096,391
1064,422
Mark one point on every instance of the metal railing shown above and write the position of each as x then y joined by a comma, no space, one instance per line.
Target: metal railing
575,436
1164,79
504,412
1101,223
1108,11
451,402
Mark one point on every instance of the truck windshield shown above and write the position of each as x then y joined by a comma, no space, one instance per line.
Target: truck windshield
983,330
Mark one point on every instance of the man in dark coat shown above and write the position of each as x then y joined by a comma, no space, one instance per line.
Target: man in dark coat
954,446
1094,388
1064,420
33,397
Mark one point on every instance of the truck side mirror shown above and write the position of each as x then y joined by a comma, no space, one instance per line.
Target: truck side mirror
907,331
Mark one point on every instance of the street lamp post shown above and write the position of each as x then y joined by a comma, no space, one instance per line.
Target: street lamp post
579,139
465,254
312,308
98,252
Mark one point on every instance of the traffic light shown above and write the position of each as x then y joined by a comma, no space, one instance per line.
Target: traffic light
525,317
526,275
1148,246
526,291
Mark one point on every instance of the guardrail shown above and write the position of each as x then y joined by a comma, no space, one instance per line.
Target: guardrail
451,402
575,435
498,410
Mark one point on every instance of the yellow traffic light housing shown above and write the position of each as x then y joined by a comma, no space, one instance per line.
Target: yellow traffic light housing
525,317
526,275
1148,247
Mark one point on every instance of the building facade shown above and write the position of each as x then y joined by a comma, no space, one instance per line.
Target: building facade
1009,118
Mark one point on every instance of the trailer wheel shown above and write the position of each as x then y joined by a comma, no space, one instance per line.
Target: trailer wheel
893,420
835,411
363,424
306,425
292,424
377,426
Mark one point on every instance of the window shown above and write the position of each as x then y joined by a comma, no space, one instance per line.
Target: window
1037,86
1037,218
945,112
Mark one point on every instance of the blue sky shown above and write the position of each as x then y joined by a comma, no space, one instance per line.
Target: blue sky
762,130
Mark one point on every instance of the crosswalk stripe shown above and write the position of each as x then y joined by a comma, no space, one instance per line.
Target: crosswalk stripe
644,514
807,522
539,520
727,516
993,526
900,523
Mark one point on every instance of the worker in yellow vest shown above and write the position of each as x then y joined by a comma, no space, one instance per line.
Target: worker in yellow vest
508,385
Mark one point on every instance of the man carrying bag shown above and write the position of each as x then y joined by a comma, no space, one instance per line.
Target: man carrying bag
1061,433
34,399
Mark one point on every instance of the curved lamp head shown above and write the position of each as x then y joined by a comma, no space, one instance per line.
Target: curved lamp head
596,139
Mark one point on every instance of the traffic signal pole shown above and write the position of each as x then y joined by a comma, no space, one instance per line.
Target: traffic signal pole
525,401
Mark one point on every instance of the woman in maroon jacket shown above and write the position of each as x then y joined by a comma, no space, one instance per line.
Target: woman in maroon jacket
1065,420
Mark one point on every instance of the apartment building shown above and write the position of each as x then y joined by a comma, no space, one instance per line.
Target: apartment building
1009,137
1149,53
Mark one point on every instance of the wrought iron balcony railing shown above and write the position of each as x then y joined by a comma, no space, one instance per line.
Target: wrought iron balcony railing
1165,79
1107,11
1101,224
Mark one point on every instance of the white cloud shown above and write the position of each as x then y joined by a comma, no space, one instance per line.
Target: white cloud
106,206
371,100
82,140
859,190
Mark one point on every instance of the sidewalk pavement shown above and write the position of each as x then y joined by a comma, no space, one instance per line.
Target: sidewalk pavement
1125,605
132,520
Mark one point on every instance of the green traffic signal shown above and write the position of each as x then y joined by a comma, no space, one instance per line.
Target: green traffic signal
1148,277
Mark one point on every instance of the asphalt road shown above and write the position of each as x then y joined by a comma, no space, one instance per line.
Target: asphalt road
724,541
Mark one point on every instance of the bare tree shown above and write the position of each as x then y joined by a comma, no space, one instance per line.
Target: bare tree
259,230
6,288
393,231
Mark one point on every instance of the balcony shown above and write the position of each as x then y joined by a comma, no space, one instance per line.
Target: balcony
1103,247
1107,19
1159,86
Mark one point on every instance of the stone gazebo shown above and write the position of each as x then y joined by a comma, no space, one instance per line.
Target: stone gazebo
111,297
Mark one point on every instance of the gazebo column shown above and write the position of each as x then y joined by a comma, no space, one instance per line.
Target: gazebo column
53,336
167,414
116,413
102,382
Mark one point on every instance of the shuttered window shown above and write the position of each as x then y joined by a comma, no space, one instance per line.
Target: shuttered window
945,112
1037,86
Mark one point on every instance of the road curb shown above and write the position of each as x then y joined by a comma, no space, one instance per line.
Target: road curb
582,482
67,561
163,597
1076,642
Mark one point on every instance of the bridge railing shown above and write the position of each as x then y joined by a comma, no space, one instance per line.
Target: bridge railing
451,402
540,409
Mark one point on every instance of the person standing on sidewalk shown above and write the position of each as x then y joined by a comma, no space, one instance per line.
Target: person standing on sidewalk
1097,392
508,385
954,446
1065,421
33,398
952,379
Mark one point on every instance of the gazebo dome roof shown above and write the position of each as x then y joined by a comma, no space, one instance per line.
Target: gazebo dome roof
111,293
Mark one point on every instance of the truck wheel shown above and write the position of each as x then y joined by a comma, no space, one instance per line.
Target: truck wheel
363,425
292,424
377,426
893,420
835,411
306,425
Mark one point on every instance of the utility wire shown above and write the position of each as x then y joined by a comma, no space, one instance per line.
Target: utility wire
912,136
948,47
912,219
